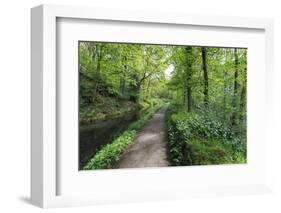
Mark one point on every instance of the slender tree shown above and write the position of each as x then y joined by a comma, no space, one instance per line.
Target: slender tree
243,97
98,55
147,88
205,74
235,89
224,84
123,77
188,72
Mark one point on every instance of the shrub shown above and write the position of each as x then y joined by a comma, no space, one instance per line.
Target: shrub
210,152
111,152
197,140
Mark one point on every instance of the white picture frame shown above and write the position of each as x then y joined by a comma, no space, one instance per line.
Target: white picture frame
44,153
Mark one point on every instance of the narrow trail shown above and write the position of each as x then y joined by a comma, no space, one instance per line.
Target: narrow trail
149,149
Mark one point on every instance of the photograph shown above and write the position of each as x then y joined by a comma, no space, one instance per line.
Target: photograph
161,105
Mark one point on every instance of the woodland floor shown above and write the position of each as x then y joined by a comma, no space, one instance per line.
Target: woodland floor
149,149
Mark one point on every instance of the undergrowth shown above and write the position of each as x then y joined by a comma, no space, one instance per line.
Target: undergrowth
197,140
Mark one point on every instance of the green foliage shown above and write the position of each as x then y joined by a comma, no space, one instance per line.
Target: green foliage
118,78
221,71
125,71
209,152
196,140
110,154
202,126
212,132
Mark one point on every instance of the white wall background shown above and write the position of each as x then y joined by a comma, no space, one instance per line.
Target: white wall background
15,105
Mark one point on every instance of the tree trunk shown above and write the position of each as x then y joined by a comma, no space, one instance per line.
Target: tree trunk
235,89
205,73
224,87
184,92
243,97
122,84
123,78
188,89
97,77
148,88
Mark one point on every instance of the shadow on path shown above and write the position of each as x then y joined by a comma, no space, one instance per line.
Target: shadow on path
149,149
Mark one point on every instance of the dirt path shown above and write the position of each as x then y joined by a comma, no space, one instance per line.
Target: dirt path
149,148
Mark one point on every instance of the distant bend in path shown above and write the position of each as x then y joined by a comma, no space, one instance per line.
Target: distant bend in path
149,149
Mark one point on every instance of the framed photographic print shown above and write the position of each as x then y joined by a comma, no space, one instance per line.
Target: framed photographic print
149,106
